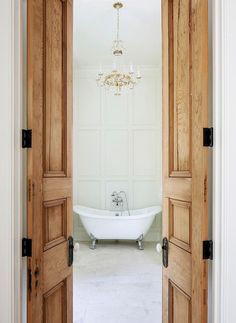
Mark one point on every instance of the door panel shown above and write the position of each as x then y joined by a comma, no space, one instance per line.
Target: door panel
54,88
49,159
54,304
185,160
179,91
180,305
179,217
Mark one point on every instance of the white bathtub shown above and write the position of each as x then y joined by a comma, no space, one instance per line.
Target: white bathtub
104,224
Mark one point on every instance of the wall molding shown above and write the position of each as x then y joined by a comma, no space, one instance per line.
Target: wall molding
105,120
7,87
223,179
10,170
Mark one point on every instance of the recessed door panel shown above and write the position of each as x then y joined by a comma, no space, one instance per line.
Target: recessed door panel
180,305
54,304
180,223
179,70
54,42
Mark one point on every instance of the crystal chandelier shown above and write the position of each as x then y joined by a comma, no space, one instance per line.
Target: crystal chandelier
117,80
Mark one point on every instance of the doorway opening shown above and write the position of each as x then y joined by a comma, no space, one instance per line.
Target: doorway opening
117,162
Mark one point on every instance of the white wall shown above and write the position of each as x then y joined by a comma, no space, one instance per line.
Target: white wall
224,176
23,158
117,144
7,157
10,164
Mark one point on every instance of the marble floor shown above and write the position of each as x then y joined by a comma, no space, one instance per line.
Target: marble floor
116,283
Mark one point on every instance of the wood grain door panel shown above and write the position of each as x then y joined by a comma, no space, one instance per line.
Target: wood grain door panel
185,160
55,266
180,305
179,46
49,160
54,302
54,222
55,105
180,223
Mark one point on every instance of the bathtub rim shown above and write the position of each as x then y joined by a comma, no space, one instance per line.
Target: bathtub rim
144,213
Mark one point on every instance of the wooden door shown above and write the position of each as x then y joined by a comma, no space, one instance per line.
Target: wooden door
185,160
49,160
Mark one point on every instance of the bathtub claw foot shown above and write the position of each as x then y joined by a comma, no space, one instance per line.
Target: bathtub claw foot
140,242
93,242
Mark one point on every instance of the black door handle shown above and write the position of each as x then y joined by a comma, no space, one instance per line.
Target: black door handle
165,248
70,251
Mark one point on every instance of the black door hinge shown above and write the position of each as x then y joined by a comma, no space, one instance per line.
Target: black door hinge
208,249
208,137
26,138
26,247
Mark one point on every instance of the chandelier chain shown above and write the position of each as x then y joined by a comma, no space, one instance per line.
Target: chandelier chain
118,25
118,80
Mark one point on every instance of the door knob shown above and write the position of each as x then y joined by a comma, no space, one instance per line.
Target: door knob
70,251
165,250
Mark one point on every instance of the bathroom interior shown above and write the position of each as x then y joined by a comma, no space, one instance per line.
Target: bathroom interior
117,161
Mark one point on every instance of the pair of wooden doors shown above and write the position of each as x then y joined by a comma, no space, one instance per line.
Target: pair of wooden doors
185,180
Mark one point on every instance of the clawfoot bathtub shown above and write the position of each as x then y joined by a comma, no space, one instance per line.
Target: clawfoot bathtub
117,225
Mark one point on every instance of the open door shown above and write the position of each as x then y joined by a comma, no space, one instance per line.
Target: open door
49,160
185,160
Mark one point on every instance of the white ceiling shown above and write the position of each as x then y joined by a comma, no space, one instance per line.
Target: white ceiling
95,29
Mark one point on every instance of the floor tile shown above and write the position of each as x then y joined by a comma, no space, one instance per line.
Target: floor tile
116,283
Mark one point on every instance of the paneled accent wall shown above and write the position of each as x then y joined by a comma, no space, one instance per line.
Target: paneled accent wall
117,145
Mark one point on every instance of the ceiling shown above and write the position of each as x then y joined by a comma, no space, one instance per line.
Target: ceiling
95,29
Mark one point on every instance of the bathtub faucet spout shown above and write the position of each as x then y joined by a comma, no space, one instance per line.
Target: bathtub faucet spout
117,199
118,202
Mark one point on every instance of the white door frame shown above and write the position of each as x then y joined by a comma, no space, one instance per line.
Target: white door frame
224,169
10,161
6,164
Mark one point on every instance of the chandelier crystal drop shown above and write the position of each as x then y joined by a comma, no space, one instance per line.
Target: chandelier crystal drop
116,79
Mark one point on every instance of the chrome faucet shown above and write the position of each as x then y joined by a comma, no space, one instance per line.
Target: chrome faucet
118,202
116,199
